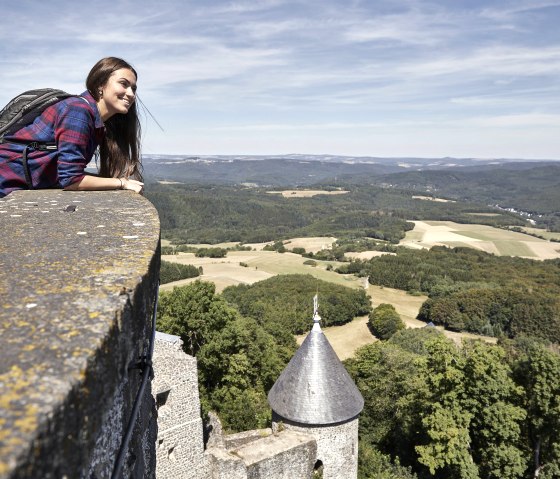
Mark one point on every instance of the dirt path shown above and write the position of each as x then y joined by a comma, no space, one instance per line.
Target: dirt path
346,339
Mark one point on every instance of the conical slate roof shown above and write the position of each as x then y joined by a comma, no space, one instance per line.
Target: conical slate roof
315,388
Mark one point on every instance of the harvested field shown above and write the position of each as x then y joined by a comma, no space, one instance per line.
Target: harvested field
306,193
486,238
365,254
311,244
260,265
545,234
264,264
431,198
346,339
221,271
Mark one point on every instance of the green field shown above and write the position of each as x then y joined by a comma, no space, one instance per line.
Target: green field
496,241
545,234
260,265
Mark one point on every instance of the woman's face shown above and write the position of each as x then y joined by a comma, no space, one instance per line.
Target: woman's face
118,94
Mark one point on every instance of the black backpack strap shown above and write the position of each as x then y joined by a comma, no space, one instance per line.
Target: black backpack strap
26,170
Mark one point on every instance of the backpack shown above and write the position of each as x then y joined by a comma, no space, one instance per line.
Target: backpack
24,108
22,111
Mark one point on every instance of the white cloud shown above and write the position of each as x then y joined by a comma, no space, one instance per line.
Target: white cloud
309,75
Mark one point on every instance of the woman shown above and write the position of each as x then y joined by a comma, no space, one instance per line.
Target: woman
104,116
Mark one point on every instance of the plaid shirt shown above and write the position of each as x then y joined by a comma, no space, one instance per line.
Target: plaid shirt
77,129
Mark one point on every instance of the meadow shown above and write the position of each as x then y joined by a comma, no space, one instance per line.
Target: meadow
500,242
247,267
307,193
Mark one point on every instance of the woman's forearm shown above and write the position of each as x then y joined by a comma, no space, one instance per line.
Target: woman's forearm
91,183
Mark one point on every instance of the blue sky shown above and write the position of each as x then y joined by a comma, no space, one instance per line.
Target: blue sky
369,78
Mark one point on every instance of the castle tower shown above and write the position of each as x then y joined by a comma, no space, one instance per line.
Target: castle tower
316,395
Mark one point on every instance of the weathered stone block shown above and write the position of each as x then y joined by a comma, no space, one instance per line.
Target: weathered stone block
79,273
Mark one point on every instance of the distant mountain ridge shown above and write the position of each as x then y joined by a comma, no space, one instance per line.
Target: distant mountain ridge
303,170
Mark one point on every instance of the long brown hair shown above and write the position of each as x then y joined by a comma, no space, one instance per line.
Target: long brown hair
119,151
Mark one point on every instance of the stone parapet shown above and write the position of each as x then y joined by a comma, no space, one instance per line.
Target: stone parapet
284,455
233,441
78,278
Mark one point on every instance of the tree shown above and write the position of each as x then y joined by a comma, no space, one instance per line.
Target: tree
237,368
492,397
538,371
446,424
175,271
238,361
194,313
283,304
474,423
394,394
373,464
384,321
414,340
211,252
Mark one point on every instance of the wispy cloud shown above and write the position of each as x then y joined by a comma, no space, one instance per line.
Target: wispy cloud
314,72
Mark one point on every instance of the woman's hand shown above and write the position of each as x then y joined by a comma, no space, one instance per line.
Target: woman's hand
133,185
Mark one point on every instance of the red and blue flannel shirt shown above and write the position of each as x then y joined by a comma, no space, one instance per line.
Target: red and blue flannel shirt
77,129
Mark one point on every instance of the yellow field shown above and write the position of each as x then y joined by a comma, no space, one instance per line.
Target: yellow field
260,265
365,254
545,234
306,193
311,244
345,339
486,238
431,198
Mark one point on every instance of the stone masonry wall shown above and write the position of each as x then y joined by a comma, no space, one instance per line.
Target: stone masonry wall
78,277
258,454
284,455
337,445
180,443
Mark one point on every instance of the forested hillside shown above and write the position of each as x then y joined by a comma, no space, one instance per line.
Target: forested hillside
213,214
534,189
478,412
266,171
470,290
283,303
433,409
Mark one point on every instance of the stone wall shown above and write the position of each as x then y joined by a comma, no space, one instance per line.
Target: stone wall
180,443
337,445
78,280
284,455
181,453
